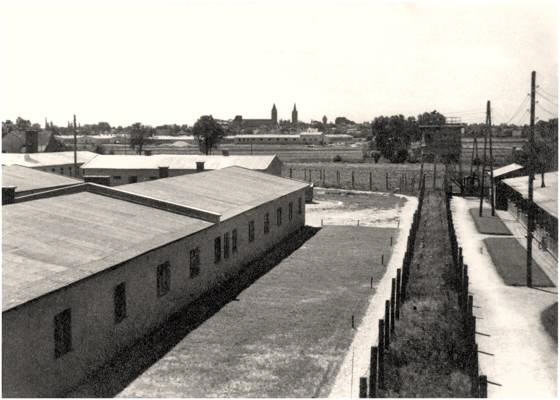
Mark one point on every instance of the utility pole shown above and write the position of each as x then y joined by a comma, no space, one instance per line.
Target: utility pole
75,149
530,213
489,123
482,178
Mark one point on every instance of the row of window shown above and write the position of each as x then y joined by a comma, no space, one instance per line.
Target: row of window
62,170
63,320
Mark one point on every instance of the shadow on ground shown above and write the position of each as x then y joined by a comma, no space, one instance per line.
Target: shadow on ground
117,374
549,318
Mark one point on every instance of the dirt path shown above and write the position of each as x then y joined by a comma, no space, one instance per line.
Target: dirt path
356,362
516,351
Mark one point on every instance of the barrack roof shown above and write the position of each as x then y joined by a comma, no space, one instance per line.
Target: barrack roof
177,161
53,242
546,198
28,179
46,159
229,191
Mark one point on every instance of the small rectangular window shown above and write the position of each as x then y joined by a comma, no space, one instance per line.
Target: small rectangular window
117,177
290,210
194,262
226,245
119,300
279,216
251,231
217,250
299,205
234,241
266,223
132,179
163,279
62,333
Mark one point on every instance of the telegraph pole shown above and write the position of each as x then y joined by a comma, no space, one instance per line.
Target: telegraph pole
482,178
75,151
530,213
489,123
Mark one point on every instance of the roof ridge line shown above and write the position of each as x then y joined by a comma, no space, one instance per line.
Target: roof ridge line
123,195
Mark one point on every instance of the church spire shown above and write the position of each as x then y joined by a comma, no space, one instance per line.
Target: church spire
274,115
294,115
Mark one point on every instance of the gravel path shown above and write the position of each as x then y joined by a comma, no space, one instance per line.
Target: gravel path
516,351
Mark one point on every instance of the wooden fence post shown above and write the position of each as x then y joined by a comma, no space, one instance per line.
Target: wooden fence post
387,323
373,372
474,370
398,294
393,287
387,181
380,351
338,178
304,174
290,173
352,179
370,182
482,387
363,387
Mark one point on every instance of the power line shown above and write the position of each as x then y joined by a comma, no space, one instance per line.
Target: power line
522,117
547,99
547,93
518,109
545,110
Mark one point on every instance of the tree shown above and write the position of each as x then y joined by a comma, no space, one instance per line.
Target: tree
393,134
208,133
343,120
432,118
138,136
546,149
22,124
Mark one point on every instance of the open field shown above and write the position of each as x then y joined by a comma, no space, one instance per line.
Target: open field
380,174
487,223
509,257
341,207
286,334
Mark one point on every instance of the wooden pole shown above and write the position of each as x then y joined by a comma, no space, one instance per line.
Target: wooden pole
482,178
530,211
489,123
393,288
75,149
380,354
363,387
373,372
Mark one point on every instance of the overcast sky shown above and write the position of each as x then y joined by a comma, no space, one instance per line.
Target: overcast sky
171,61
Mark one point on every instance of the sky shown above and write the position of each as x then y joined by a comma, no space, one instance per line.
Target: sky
170,61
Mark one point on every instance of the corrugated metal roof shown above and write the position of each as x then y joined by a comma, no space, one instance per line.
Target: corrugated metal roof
46,159
546,198
50,243
177,161
506,169
229,191
31,179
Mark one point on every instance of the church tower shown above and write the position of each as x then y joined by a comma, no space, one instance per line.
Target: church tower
294,115
274,115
